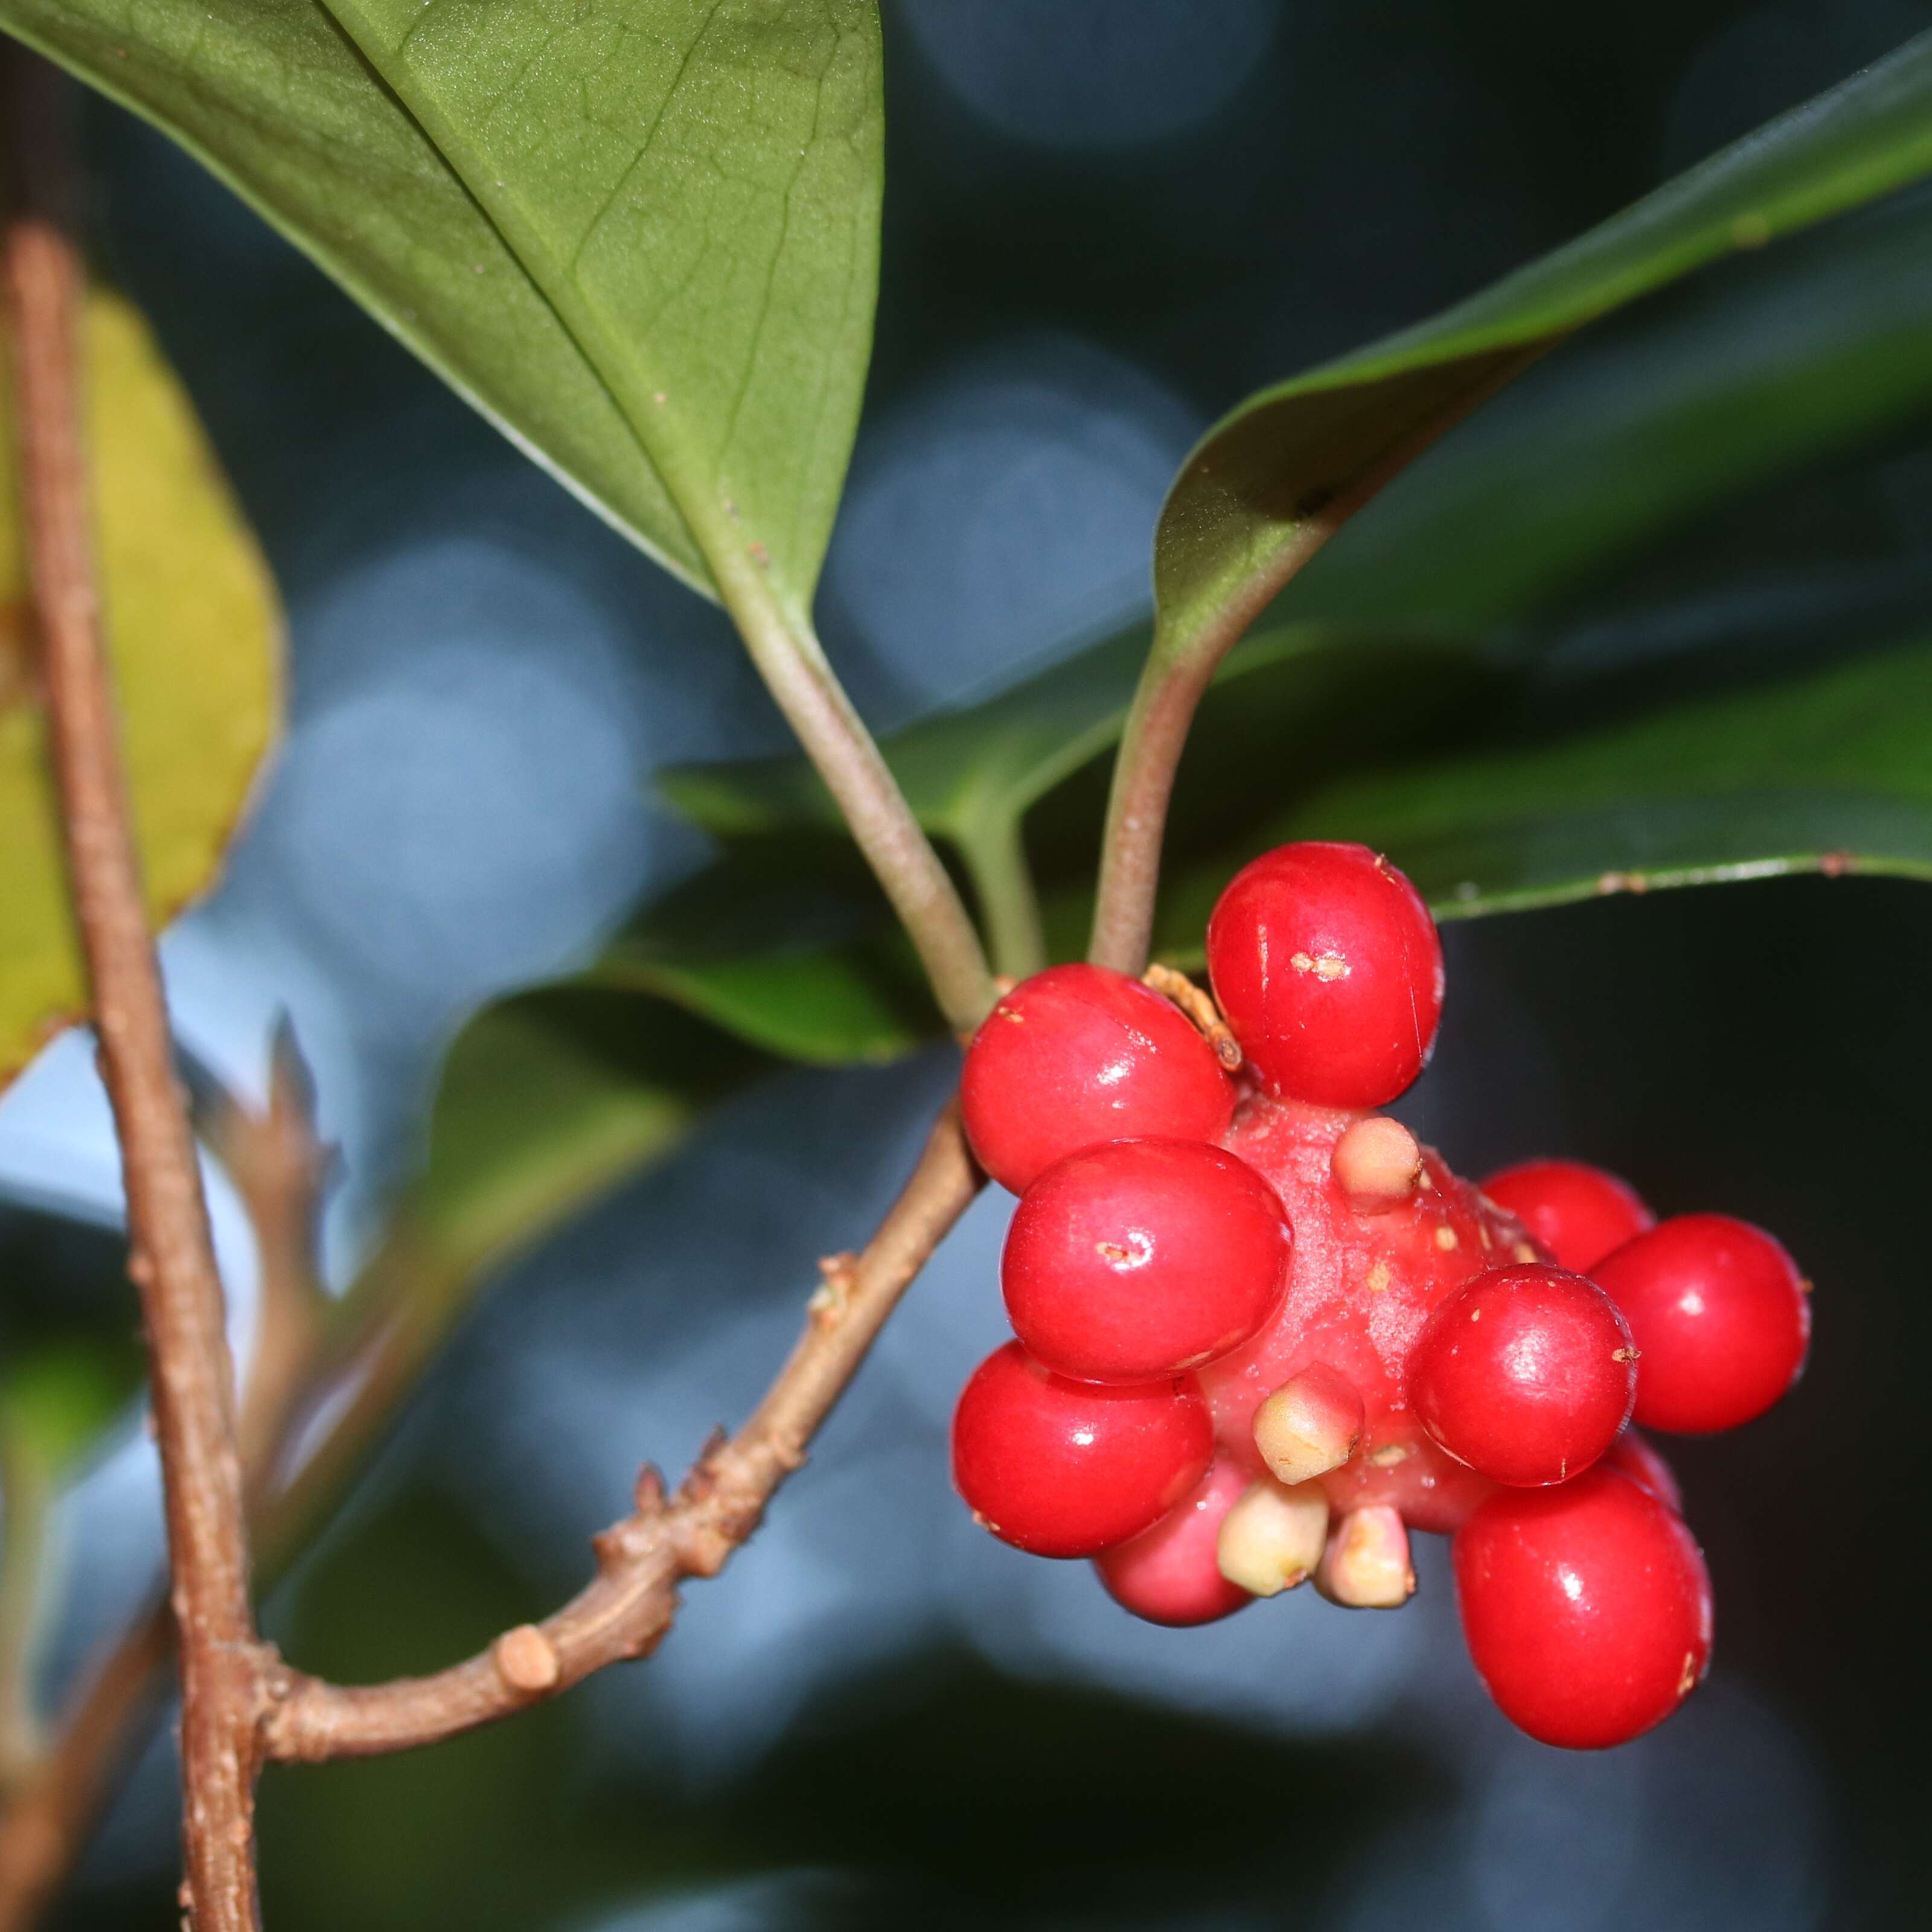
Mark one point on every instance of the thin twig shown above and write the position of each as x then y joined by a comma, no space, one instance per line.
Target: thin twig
1198,1005
171,1258
627,1608
279,1168
1186,654
26,1485
49,1816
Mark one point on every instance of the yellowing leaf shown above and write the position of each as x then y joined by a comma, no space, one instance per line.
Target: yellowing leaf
195,635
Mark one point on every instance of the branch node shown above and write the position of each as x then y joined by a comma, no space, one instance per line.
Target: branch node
702,1548
833,1295
615,1547
626,1611
705,1476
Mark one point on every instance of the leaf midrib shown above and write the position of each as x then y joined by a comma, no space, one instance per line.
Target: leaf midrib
522,235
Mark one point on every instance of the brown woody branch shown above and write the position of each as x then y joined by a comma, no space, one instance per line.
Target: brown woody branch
47,1818
171,1258
50,1813
278,1168
628,1607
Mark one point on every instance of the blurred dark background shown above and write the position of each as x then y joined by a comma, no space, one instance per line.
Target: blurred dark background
1106,220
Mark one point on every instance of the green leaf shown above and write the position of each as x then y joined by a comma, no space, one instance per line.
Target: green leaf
641,236
58,1396
994,761
547,1099
1623,433
1723,384
785,949
1613,439
782,942
995,757
195,636
1268,481
1831,771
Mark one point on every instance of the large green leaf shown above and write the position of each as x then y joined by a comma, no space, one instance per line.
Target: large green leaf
1277,474
1623,433
1286,684
196,638
781,945
640,235
1830,772
547,1099
1803,351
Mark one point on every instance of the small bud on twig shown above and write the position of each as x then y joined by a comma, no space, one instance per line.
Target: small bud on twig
527,1659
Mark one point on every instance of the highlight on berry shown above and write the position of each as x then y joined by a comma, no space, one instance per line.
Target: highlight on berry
1265,1336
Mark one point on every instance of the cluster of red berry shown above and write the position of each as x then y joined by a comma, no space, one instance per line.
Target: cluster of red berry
1263,1333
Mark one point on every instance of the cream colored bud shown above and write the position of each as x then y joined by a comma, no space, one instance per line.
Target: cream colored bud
1309,1425
1274,1536
1366,1565
1378,1164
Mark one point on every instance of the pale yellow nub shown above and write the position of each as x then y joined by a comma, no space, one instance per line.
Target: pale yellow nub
1366,1565
1377,1164
1274,1536
1300,1433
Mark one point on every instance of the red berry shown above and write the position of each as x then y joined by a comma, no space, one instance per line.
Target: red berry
1170,1574
1327,967
1587,1608
1138,1259
1636,1456
1721,1316
1578,1212
1078,1055
1068,1468
1525,1373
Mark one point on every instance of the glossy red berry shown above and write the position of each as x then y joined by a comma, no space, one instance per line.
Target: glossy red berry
1078,1055
1170,1574
1578,1212
1525,1373
1637,1457
1137,1259
1068,1468
1721,1316
1327,965
1587,1608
